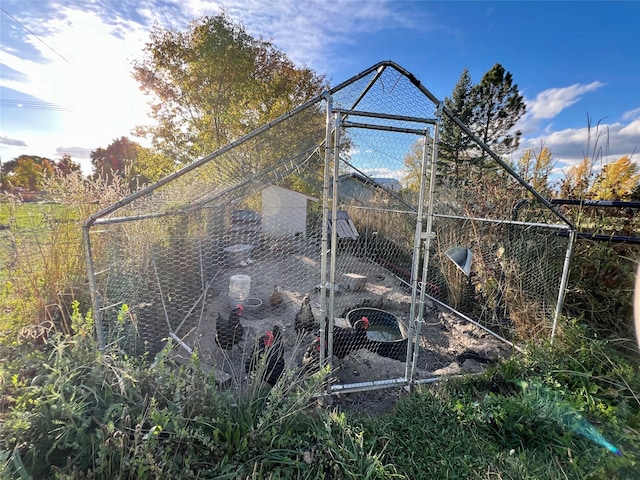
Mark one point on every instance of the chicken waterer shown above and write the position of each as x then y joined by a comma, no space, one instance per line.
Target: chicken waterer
239,289
386,335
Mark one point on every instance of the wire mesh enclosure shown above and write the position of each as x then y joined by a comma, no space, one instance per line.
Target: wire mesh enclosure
331,235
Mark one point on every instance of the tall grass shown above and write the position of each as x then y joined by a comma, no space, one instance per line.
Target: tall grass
43,257
71,411
76,412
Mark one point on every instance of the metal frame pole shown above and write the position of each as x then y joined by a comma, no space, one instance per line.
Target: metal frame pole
334,229
426,238
93,287
325,222
563,283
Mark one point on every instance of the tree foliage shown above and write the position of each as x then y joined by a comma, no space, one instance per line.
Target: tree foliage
214,83
616,181
115,160
30,171
535,169
413,165
490,110
454,144
497,107
66,166
577,180
150,166
413,162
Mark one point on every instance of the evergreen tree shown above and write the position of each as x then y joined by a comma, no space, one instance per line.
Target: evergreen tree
454,143
498,106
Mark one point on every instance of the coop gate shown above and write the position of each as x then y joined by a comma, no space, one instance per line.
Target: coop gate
273,205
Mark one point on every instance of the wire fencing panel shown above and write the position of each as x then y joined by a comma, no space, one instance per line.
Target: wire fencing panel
326,221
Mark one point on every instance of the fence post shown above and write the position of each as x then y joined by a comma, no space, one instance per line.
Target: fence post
563,283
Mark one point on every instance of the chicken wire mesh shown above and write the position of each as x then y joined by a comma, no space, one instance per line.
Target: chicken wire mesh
323,236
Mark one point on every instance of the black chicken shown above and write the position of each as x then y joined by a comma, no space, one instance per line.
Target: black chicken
347,340
305,322
269,348
230,332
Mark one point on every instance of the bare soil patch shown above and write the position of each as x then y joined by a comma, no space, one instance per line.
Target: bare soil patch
449,345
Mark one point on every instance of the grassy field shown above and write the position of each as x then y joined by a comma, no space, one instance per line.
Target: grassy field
29,223
41,255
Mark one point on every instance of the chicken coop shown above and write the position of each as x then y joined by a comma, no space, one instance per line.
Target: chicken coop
386,271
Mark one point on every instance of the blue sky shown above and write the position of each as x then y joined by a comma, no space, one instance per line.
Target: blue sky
65,66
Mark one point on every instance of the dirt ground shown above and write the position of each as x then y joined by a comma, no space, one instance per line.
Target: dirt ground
449,345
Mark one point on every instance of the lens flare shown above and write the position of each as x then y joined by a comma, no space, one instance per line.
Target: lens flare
549,404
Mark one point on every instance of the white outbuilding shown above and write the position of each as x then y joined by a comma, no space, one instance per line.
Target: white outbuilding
284,212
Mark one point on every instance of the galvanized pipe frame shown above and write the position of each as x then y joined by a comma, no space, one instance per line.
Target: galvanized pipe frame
563,283
413,339
386,116
551,226
421,240
324,234
334,233
426,237
335,120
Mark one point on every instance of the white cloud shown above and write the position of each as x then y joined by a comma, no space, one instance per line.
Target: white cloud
383,172
100,43
86,56
311,32
631,114
15,142
603,143
551,102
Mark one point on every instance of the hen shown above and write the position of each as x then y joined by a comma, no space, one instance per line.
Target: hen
276,297
267,359
310,361
229,332
347,340
305,322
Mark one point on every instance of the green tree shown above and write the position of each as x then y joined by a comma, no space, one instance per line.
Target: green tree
497,107
8,170
26,171
151,167
413,163
114,160
214,83
65,166
28,174
454,144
